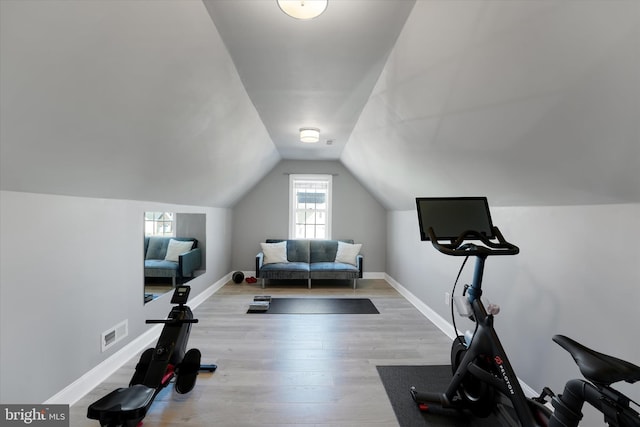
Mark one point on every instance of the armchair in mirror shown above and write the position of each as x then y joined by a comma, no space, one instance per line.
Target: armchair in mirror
175,246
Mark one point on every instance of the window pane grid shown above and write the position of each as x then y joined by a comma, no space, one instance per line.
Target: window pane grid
159,224
310,207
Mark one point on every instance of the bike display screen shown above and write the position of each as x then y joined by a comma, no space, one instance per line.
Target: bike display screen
451,216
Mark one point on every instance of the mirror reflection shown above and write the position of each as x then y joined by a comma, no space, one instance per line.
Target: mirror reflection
174,250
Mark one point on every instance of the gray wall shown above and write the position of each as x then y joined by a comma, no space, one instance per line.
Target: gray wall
576,275
194,225
264,213
72,268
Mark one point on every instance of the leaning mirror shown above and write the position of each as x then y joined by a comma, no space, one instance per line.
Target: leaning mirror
175,247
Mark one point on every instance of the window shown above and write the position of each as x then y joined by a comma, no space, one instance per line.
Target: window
159,224
310,206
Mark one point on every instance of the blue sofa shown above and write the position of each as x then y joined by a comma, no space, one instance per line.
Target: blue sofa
309,259
183,265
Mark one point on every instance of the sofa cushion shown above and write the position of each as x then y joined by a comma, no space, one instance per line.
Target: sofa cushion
157,248
160,268
323,250
160,263
286,266
288,270
347,253
274,252
332,266
177,248
333,270
297,249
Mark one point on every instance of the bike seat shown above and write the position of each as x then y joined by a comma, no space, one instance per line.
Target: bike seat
597,367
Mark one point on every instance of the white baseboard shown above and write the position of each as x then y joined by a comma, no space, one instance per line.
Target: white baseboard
83,385
371,275
441,323
202,296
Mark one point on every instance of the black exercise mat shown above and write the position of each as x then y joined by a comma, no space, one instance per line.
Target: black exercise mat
398,379
320,306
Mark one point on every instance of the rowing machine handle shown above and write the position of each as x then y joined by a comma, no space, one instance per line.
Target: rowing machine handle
458,247
170,321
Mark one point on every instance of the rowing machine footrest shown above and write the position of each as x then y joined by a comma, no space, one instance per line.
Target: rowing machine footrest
187,371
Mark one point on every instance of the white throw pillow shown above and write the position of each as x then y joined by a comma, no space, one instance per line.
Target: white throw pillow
274,252
176,248
347,252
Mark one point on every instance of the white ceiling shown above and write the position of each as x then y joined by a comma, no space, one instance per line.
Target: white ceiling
313,73
527,102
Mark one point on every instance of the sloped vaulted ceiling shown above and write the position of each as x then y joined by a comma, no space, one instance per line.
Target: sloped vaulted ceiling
529,103
314,73
190,102
125,99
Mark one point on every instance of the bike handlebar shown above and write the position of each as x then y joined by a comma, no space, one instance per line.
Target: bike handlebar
458,247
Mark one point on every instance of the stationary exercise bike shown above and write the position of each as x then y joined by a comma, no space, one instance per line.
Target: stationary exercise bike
155,370
484,381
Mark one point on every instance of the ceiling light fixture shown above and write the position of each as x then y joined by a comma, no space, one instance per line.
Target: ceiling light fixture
303,9
309,135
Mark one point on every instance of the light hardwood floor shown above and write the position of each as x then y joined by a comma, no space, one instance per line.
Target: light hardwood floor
291,370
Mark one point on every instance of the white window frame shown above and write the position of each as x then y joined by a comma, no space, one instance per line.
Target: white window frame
293,178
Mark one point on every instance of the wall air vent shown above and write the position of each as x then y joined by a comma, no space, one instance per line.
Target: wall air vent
113,335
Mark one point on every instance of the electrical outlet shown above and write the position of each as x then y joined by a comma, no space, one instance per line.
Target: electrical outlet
447,298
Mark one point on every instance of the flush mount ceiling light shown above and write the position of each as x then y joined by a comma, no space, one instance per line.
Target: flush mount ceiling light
303,9
309,135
